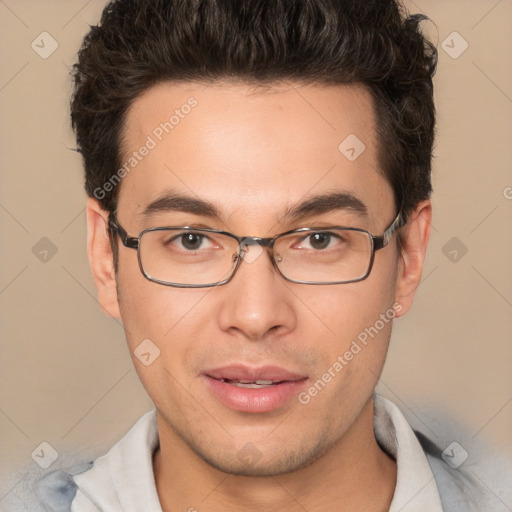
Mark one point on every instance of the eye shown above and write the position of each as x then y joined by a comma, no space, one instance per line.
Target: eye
320,241
190,241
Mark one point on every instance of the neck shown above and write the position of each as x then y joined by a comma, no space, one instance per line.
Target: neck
354,475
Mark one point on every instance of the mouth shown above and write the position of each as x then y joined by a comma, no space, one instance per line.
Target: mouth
251,385
253,390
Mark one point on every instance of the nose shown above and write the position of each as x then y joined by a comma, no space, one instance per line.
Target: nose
257,300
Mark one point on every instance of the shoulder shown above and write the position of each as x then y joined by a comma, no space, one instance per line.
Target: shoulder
82,480
56,490
470,474
110,481
470,478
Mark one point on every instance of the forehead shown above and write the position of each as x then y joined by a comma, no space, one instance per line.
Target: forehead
250,151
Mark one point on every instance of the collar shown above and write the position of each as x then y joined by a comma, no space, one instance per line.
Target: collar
416,489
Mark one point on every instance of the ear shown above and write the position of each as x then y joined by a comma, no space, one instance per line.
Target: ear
415,236
101,258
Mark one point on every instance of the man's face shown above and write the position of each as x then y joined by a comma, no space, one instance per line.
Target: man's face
254,156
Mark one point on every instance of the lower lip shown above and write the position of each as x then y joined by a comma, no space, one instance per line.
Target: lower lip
265,399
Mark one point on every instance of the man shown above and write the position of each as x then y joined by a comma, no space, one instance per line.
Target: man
259,180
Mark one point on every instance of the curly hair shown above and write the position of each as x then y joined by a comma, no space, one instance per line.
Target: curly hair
376,43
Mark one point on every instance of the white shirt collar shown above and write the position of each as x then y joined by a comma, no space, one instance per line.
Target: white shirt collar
416,488
123,479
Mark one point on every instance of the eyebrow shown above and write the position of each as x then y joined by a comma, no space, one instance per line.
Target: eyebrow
175,202
315,205
326,203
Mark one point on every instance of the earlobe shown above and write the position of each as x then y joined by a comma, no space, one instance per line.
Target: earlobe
415,236
100,257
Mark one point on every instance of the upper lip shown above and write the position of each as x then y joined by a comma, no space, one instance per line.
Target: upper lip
252,374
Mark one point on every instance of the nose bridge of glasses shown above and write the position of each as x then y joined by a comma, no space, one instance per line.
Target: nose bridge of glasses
257,244
256,240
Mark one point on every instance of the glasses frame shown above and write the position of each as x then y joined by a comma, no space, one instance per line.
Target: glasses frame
131,242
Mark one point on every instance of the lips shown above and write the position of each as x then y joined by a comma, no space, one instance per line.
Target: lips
255,390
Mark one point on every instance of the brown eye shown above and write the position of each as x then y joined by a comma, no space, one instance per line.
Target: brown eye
319,240
192,241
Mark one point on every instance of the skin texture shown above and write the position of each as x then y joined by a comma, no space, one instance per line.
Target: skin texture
253,154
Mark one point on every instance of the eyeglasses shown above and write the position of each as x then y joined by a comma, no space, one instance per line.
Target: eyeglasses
187,257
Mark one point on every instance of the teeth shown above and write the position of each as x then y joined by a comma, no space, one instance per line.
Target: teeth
249,383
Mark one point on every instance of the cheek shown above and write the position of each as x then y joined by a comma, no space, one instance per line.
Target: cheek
164,327
356,321
344,311
351,354
167,316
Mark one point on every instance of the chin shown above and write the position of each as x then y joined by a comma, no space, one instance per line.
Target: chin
253,461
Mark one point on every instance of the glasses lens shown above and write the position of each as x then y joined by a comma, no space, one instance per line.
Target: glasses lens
187,257
324,256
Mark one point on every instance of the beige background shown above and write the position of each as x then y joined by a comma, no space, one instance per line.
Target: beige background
66,376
